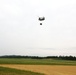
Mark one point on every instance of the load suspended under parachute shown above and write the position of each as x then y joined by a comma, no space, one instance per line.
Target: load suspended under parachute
41,19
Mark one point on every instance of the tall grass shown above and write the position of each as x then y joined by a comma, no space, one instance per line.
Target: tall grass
36,61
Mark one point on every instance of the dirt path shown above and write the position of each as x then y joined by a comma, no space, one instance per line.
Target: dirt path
46,69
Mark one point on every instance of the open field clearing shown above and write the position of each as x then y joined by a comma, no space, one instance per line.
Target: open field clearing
11,71
46,69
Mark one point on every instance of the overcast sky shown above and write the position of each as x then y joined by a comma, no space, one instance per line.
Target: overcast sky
21,34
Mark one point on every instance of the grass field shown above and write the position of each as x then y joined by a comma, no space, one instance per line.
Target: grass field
44,69
10,71
36,66
36,61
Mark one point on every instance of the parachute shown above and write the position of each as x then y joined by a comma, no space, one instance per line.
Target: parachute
41,19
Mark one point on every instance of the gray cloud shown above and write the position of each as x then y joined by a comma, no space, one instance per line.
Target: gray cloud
20,32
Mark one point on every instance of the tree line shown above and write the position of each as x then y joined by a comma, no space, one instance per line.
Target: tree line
38,57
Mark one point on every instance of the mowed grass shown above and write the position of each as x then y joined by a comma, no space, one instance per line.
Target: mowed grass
10,71
36,61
